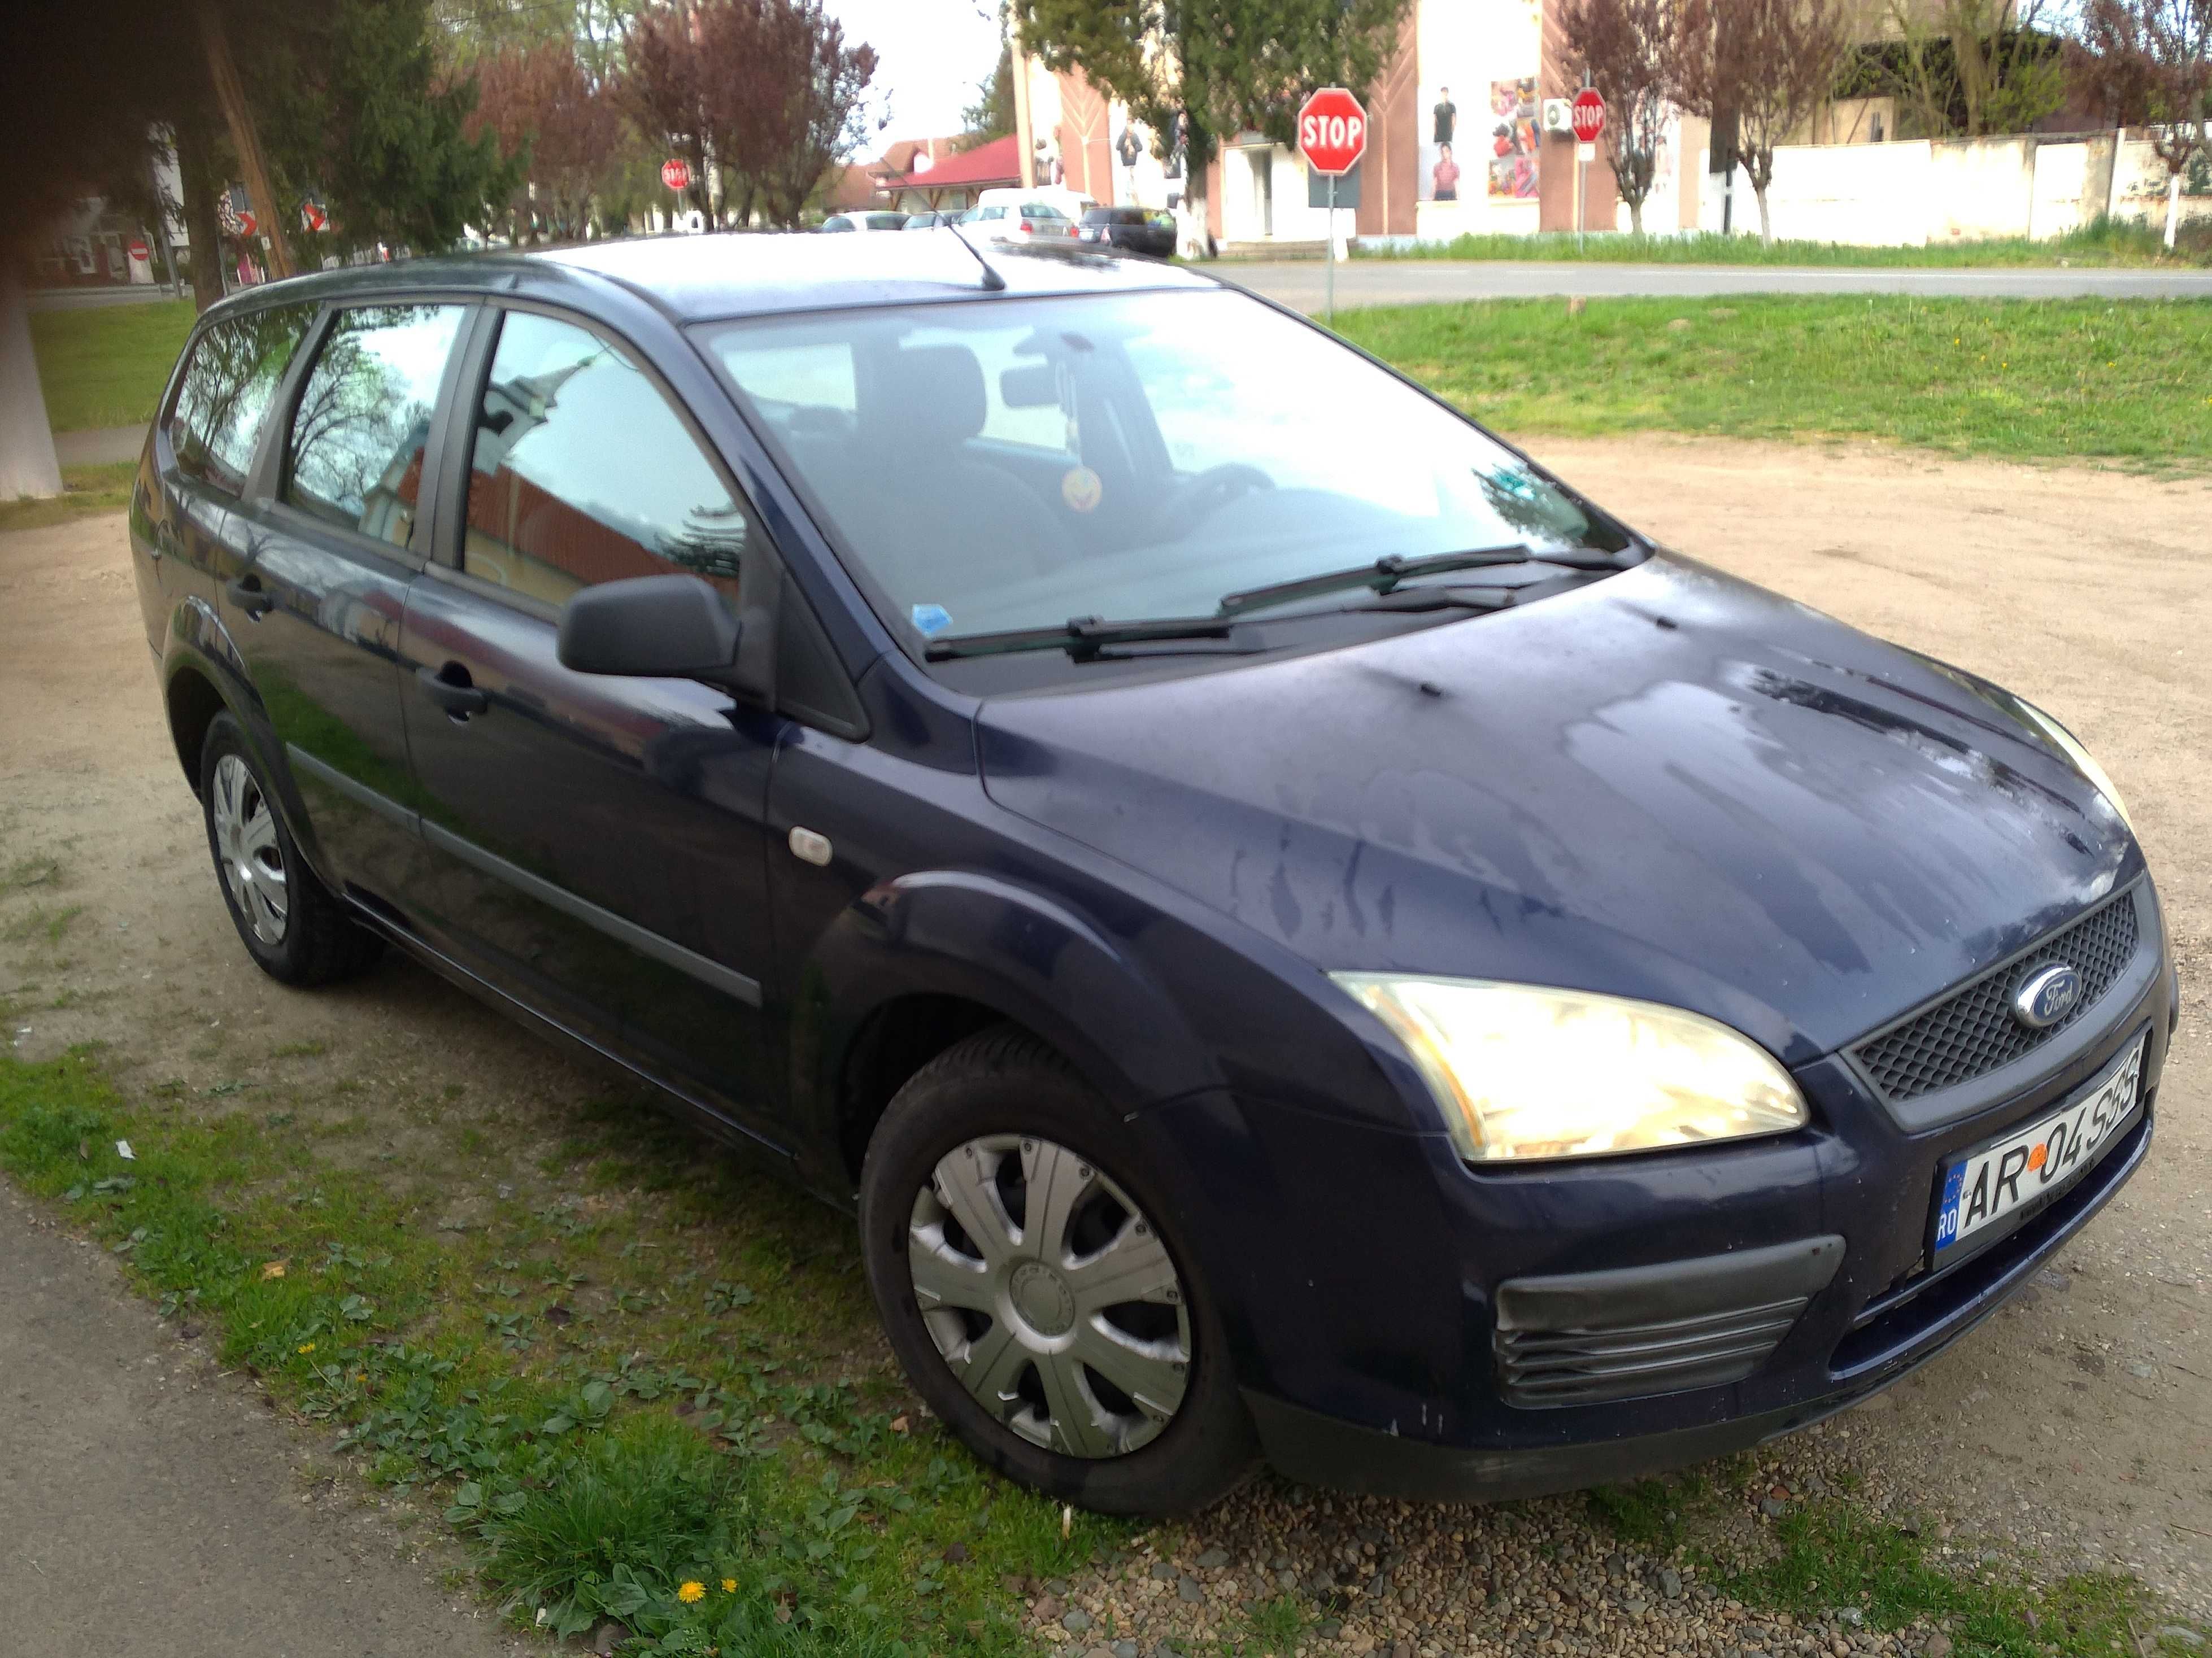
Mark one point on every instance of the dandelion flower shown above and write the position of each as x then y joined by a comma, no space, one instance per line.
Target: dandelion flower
691,1590
729,1586
306,1346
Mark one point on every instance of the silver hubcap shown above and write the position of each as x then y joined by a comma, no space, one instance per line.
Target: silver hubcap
245,846
1050,1295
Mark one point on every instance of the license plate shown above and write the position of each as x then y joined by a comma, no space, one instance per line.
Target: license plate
1982,1188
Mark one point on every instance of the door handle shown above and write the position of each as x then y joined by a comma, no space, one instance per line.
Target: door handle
449,687
164,541
246,594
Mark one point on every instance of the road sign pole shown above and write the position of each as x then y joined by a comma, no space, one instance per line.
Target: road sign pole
1332,250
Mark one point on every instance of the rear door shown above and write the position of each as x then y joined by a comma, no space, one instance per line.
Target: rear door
205,445
313,591
597,842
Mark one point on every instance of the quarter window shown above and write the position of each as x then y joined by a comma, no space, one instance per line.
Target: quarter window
364,417
580,472
228,387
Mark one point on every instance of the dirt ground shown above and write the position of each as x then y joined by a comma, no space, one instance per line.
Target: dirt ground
2077,1425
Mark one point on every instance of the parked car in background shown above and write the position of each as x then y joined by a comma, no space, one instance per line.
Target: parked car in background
874,220
1132,229
1017,215
930,221
1294,931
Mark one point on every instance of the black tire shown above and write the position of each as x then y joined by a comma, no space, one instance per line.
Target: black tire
1004,1081
318,943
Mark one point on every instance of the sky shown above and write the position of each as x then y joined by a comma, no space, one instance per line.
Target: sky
931,54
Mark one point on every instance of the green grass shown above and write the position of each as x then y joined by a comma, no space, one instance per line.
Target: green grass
2044,380
105,365
2103,242
1832,1555
87,492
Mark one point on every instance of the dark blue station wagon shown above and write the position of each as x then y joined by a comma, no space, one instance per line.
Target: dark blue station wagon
1299,935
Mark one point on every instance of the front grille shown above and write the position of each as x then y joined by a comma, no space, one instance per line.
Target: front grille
1627,1361
1971,1030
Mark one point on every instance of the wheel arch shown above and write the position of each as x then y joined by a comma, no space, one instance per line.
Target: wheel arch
918,962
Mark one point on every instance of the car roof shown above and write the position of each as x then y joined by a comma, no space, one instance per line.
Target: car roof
742,274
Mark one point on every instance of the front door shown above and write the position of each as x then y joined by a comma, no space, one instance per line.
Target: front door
597,842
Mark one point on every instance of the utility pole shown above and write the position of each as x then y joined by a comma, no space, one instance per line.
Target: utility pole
230,93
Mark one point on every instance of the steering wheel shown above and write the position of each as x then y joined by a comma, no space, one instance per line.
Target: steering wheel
1211,490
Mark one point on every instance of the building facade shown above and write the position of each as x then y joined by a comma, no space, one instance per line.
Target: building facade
1458,142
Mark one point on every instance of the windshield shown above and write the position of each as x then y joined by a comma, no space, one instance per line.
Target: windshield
1012,464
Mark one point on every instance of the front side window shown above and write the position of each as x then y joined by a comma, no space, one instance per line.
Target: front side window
582,472
364,417
1142,456
226,389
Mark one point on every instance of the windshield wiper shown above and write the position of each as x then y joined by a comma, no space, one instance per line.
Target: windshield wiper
1386,573
1081,636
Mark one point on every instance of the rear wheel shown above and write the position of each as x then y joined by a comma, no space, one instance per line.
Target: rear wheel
1035,1290
293,928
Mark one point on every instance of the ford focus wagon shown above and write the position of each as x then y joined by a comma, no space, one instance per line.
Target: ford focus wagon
1297,934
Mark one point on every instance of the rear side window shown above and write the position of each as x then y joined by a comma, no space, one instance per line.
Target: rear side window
582,472
226,392
364,417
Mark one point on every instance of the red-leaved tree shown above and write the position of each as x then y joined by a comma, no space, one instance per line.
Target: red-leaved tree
1628,46
542,103
2161,51
766,91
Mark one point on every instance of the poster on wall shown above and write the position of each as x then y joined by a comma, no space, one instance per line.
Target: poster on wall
1440,144
1513,138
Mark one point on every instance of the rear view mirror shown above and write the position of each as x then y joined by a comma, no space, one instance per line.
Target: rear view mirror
654,627
1032,387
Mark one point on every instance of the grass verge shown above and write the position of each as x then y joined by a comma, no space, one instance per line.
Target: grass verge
87,492
105,365
2044,379
1829,1562
617,1434
2102,242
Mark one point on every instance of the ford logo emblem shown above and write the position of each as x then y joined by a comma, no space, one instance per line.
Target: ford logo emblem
2050,994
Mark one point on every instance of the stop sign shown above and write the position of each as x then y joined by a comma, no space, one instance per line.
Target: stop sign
1332,131
676,173
1589,115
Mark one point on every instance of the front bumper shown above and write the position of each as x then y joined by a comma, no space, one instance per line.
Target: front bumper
1389,1359
1320,1449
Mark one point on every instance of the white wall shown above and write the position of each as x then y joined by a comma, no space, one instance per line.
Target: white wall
1964,190
1873,194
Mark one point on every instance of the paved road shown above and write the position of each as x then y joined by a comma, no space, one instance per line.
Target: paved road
101,446
84,299
150,1509
1421,282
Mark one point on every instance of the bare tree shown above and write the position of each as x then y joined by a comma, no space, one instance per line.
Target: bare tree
2162,49
1972,67
1628,46
1770,63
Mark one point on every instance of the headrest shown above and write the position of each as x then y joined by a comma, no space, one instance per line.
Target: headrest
927,394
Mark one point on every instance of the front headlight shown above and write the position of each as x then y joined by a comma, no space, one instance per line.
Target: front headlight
1521,1072
2073,750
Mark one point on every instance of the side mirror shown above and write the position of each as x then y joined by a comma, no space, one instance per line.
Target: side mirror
653,627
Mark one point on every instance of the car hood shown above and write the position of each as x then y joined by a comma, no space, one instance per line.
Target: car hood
1667,784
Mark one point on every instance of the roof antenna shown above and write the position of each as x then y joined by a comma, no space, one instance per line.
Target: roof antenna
992,281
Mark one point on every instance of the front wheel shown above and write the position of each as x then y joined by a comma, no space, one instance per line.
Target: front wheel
1036,1290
